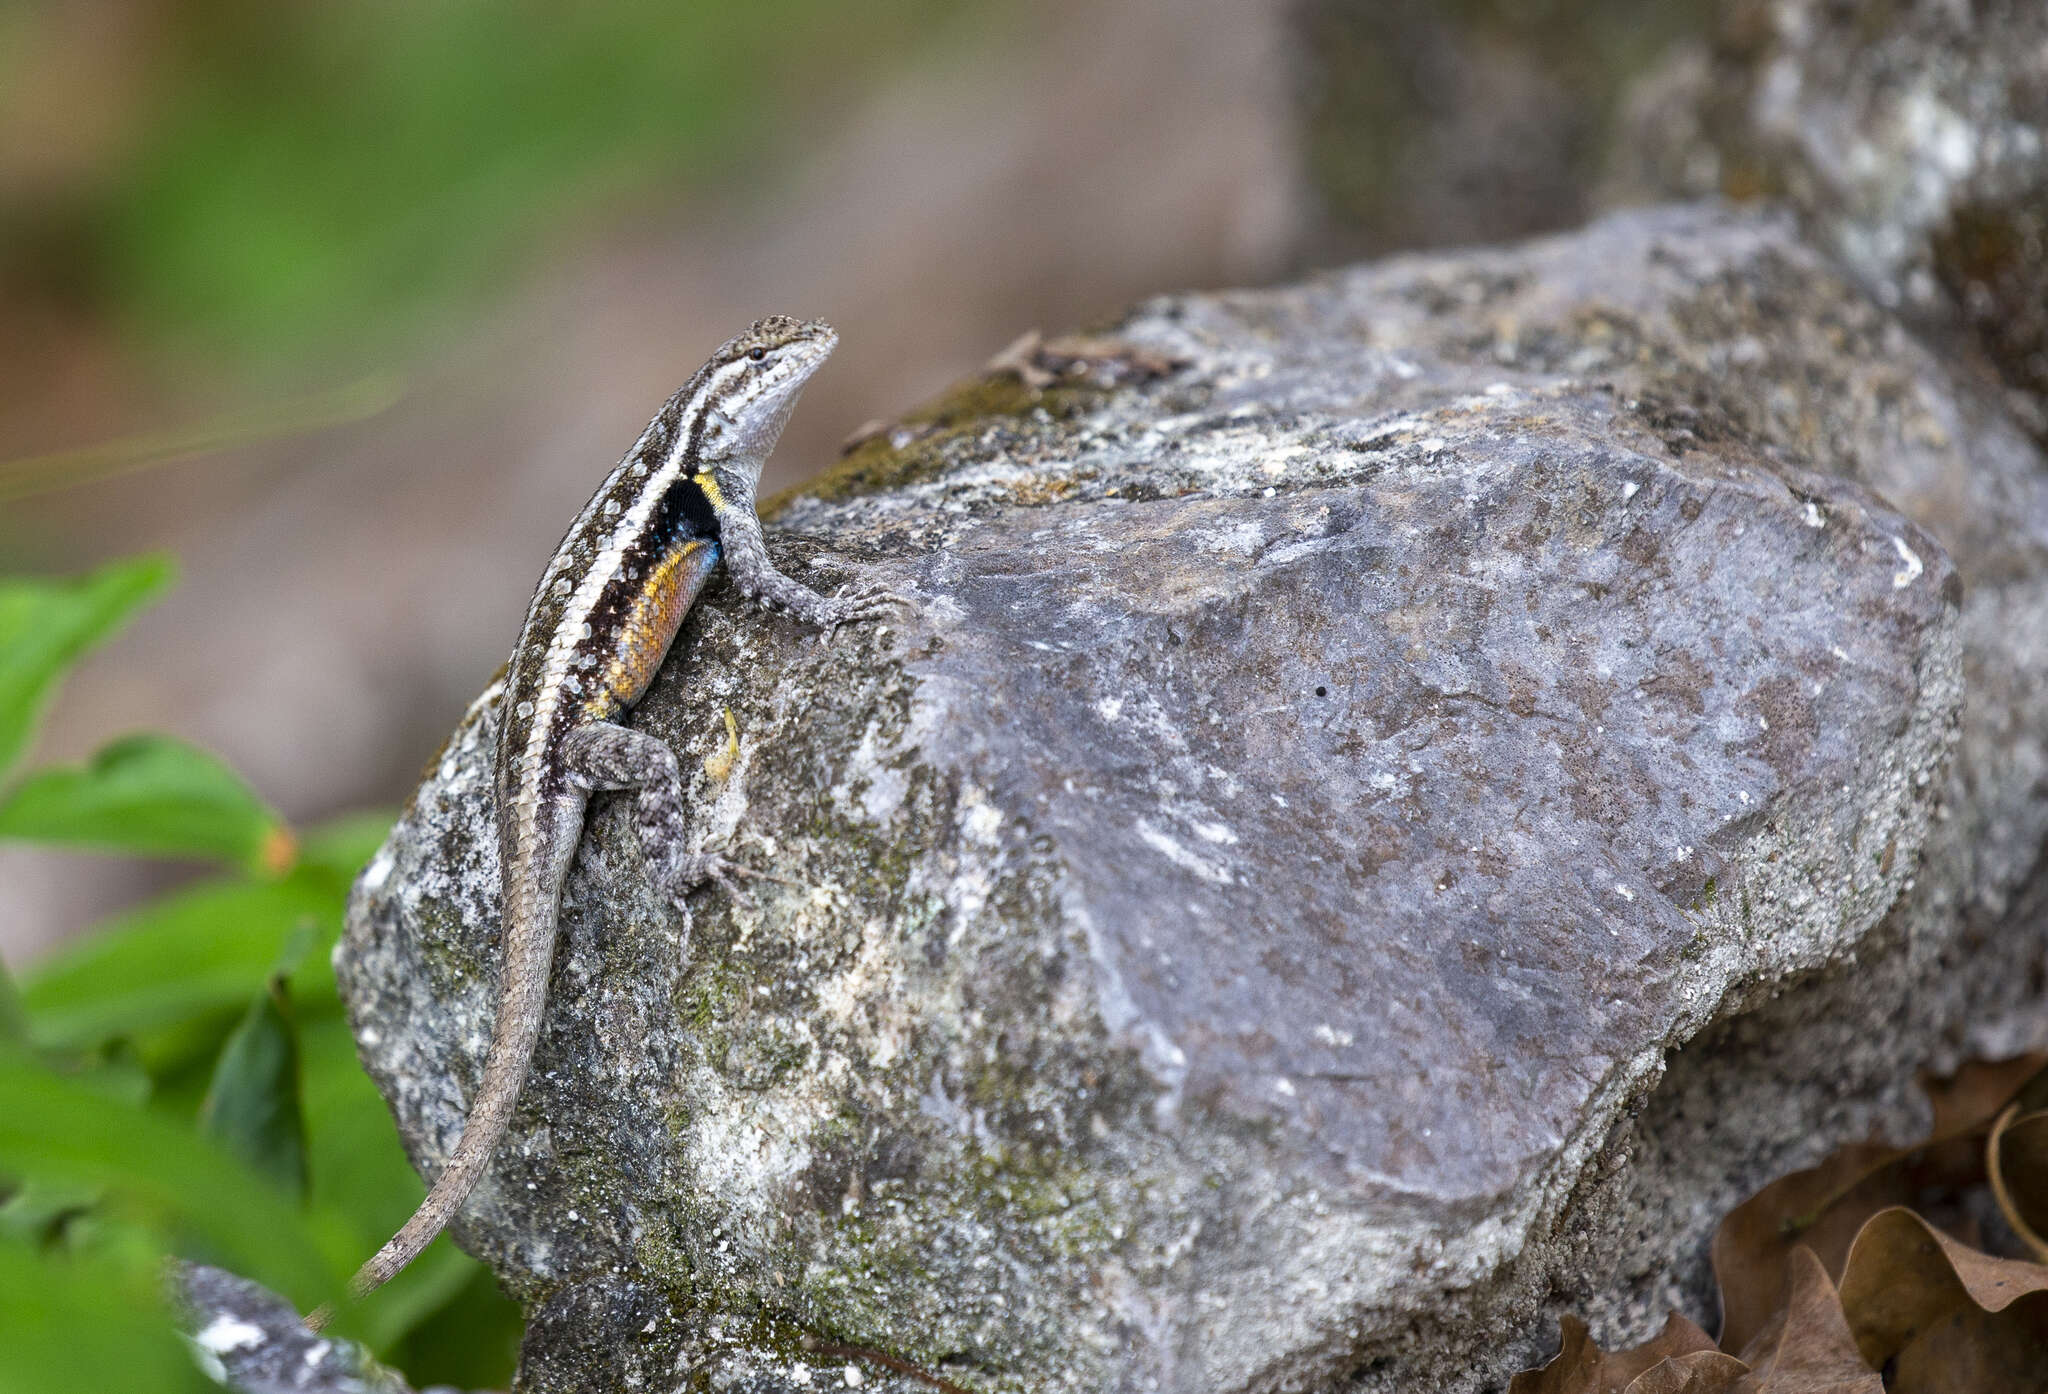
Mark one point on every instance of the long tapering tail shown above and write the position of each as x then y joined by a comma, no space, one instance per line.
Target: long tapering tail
529,950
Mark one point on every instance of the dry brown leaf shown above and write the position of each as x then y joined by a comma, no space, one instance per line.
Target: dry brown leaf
1972,1351
1825,1207
1581,1367
1807,1347
1575,1369
1973,1095
1934,1314
1964,1104
1679,1339
1701,1372
1918,1299
1821,1208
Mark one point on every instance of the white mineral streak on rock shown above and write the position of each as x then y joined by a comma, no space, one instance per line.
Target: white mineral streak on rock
1911,567
226,1333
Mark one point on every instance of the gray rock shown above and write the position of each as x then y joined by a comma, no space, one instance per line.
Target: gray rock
251,1340
1912,137
1352,733
1769,344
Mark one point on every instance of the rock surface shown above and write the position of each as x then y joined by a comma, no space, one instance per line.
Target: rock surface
251,1340
1352,733
1912,136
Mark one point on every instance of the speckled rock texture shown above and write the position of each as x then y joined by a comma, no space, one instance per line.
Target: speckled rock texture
1352,733
1911,134
250,1340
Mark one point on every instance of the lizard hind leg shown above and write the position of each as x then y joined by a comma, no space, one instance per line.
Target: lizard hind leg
603,755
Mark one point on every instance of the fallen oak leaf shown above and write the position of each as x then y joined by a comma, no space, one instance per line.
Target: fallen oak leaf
1944,1318
1679,1341
2032,1096
1581,1367
1821,1209
1965,1104
1826,1206
1575,1369
1701,1372
1974,1094
1978,1352
1774,1254
1807,1348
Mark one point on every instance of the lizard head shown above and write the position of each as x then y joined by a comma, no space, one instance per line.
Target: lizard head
749,387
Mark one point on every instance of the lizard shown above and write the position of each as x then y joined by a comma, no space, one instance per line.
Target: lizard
600,623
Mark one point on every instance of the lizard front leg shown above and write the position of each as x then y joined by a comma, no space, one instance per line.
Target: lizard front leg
603,755
746,558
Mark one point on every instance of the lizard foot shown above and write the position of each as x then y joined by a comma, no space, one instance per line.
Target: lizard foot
685,873
682,874
860,603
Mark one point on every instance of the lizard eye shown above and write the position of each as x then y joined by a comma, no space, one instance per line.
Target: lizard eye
757,354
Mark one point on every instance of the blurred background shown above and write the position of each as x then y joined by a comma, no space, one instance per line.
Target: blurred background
349,306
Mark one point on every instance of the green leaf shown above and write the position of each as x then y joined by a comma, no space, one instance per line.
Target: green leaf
357,1161
39,1212
343,845
441,1274
114,1071
55,1131
45,625
471,1338
252,1107
200,950
90,1321
153,796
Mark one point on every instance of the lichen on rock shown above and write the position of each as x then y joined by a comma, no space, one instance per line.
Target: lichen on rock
1237,917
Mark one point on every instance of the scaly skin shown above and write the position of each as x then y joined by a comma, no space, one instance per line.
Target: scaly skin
601,621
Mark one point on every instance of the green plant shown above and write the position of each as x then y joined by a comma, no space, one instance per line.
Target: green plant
181,1080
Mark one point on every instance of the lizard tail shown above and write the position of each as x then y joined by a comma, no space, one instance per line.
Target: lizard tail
529,949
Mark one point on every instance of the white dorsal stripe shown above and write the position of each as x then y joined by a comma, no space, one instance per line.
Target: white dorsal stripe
553,685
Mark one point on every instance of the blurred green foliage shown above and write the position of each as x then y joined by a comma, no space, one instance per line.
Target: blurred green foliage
181,1081
323,177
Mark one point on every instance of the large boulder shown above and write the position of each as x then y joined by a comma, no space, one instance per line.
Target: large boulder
1351,733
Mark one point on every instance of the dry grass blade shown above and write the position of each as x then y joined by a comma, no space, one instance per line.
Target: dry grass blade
2016,1160
27,475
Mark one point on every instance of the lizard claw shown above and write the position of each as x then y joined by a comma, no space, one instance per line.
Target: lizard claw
700,867
722,873
860,603
748,873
